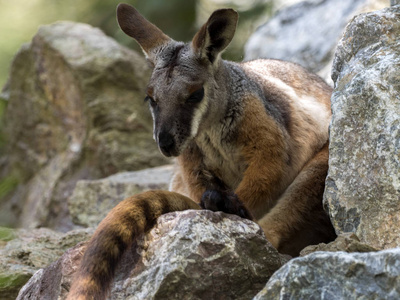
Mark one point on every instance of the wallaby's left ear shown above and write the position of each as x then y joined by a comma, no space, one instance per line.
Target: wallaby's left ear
149,36
216,34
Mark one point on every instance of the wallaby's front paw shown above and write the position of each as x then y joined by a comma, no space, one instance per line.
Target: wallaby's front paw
227,202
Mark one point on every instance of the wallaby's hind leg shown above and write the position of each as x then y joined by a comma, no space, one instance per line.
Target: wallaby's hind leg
298,219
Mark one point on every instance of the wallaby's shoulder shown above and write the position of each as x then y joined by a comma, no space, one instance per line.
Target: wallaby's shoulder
285,73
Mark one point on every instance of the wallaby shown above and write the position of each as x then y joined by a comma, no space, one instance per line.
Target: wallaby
250,139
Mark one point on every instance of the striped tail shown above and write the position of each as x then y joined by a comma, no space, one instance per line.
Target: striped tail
115,234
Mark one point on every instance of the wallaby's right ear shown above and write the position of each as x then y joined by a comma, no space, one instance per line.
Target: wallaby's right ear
149,36
216,34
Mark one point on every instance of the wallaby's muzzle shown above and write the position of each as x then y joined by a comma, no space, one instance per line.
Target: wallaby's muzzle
167,145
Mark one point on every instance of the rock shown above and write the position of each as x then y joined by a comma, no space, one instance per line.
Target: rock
91,200
307,32
54,281
29,250
12,281
188,255
75,111
337,275
347,242
363,185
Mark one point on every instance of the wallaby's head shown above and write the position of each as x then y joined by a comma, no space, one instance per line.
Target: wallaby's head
182,91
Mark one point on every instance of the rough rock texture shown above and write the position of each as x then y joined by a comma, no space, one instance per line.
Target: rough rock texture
91,200
337,275
75,111
188,255
347,242
363,184
307,32
29,250
54,281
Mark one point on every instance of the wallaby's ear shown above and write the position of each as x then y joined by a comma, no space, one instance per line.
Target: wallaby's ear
149,36
216,34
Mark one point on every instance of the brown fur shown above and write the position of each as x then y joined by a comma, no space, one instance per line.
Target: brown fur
264,148
250,139
293,223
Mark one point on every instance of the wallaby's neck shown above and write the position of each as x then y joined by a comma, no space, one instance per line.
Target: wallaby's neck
225,107
233,81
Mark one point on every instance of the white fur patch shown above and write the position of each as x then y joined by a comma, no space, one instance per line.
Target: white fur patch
198,115
317,111
309,105
154,124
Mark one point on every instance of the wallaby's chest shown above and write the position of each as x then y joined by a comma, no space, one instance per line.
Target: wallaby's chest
221,157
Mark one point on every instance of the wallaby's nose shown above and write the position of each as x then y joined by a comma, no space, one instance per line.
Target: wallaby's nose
166,143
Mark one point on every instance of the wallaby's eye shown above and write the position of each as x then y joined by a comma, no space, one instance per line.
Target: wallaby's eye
150,100
196,96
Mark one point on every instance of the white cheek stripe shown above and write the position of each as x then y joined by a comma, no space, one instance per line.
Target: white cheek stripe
198,115
154,123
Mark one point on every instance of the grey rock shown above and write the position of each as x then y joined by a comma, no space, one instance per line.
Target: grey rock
91,200
394,2
34,282
75,111
363,185
187,255
28,251
54,281
307,32
337,275
347,242
202,255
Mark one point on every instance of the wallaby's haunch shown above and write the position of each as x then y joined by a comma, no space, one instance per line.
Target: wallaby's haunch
250,139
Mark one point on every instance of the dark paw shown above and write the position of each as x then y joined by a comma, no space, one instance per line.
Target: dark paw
227,202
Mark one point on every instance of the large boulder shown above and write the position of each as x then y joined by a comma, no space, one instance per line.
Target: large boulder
75,111
307,32
187,255
337,275
363,184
